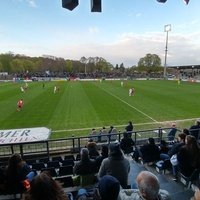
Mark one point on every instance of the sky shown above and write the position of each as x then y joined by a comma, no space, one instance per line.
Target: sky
124,32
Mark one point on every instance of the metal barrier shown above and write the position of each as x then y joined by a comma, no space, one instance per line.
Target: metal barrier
74,144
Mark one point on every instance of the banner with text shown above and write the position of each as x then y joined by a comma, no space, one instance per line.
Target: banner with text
24,135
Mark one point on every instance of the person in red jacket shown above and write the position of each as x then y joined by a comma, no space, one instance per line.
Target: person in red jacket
20,104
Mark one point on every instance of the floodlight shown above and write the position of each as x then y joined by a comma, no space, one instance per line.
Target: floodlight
167,28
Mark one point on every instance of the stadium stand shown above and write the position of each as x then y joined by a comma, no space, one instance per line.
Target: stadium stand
63,172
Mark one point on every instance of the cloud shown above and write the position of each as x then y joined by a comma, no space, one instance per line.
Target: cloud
138,15
32,3
129,47
93,30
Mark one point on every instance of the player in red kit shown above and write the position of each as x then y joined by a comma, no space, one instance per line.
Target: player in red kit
20,104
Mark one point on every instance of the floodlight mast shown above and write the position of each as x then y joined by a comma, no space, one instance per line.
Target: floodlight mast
167,28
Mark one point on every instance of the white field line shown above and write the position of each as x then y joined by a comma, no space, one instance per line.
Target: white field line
129,105
118,126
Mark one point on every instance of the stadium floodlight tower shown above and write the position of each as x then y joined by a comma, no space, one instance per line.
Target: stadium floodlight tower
167,28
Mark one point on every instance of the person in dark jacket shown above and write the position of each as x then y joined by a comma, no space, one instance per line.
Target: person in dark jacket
127,144
175,148
104,154
172,132
150,151
163,147
15,173
195,129
189,156
92,148
129,127
86,165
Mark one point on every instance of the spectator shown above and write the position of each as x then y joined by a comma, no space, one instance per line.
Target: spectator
175,148
186,131
149,152
116,165
189,156
109,188
148,188
195,129
103,131
85,165
172,132
127,144
163,147
44,187
16,172
129,128
196,195
173,151
92,148
104,154
110,130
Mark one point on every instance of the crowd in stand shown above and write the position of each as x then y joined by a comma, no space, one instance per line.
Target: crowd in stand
108,171
94,75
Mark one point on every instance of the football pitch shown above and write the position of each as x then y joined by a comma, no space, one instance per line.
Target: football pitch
80,106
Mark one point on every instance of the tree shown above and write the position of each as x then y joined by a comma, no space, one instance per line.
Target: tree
5,60
1,67
150,60
17,65
122,68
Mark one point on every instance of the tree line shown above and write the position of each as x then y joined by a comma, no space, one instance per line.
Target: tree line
17,63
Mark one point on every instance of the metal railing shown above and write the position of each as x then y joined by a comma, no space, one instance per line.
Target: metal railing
74,144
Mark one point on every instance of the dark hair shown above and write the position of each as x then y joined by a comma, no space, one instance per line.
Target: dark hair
104,150
44,187
193,149
151,141
182,136
109,188
186,131
13,164
163,143
115,150
192,143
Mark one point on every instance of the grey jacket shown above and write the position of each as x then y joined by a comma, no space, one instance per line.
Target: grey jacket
134,194
118,167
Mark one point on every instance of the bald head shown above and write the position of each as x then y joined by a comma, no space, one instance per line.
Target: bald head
148,185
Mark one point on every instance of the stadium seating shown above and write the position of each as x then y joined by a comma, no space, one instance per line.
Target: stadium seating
69,157
57,158
68,162
54,164
50,170
187,181
38,166
65,170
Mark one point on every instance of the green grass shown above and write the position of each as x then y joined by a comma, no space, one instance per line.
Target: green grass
81,105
